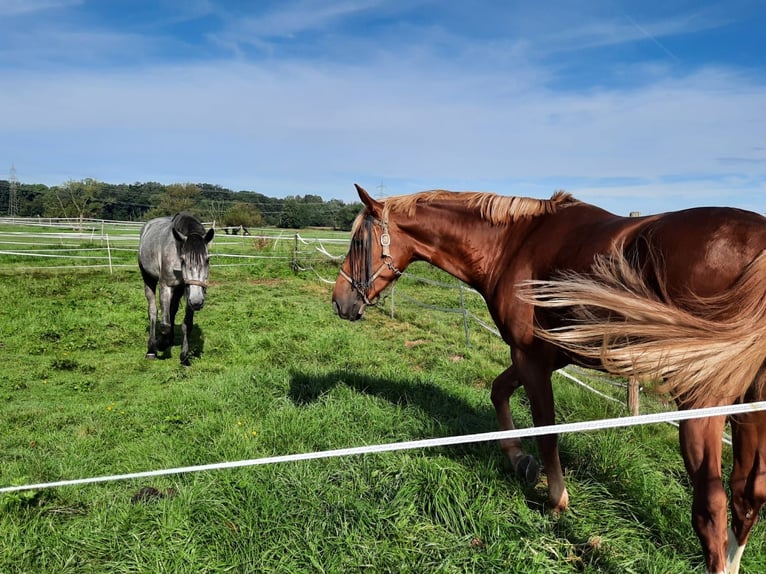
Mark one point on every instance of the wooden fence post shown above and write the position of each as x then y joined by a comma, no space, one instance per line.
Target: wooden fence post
633,398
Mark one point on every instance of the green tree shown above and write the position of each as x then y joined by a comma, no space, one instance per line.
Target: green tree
244,214
75,199
178,197
292,214
346,214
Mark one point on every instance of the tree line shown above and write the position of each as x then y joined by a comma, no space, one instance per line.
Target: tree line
90,198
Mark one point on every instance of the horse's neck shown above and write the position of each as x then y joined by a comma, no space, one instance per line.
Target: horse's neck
468,250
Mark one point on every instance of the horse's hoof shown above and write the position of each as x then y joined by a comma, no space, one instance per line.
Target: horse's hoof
151,355
528,470
185,362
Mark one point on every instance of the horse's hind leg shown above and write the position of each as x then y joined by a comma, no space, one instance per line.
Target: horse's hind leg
537,384
186,328
748,481
701,448
524,465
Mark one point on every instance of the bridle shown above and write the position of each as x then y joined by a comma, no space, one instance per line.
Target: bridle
362,287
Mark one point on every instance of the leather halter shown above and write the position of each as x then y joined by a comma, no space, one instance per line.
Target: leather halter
385,242
196,282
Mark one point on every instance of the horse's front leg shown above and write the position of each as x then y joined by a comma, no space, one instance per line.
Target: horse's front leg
523,464
151,298
535,375
701,449
748,481
186,328
168,301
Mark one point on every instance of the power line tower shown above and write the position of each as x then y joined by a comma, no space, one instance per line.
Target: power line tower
13,201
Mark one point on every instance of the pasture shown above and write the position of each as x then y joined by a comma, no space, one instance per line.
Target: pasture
274,372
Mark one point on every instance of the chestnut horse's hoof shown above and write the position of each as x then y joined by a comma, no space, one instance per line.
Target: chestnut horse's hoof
528,470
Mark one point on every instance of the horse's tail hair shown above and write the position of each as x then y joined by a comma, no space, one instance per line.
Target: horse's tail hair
703,351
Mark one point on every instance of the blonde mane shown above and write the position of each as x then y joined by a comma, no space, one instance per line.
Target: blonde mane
496,209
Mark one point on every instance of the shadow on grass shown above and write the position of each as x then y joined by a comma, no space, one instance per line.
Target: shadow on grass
455,415
196,343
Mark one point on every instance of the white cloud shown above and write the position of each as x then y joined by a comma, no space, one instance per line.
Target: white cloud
22,7
407,116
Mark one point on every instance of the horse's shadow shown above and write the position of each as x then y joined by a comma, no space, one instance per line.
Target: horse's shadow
453,415
196,343
456,416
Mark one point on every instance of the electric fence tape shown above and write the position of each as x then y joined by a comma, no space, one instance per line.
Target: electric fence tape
424,443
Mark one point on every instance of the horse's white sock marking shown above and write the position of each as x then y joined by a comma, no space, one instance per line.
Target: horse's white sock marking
733,554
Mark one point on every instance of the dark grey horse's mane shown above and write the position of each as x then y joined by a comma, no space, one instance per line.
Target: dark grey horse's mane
195,247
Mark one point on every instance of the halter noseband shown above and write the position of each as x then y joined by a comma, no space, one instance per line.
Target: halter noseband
385,242
196,282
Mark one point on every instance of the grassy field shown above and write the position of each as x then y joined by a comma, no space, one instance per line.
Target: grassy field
275,372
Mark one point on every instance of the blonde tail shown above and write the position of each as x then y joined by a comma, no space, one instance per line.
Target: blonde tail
707,351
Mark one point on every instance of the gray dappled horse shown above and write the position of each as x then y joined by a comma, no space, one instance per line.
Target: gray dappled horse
173,252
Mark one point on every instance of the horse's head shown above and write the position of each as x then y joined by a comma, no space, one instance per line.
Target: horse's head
195,265
374,260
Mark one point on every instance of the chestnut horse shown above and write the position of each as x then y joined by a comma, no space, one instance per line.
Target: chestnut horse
690,284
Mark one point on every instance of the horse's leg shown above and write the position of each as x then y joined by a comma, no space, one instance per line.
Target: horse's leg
523,464
151,298
175,302
701,448
186,327
748,481
536,378
167,301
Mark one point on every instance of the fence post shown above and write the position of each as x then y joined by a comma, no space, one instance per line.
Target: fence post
295,253
109,254
633,400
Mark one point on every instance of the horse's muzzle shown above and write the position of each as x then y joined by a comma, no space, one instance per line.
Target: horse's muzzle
195,296
350,312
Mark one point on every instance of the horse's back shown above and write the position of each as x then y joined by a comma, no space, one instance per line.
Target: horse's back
153,245
703,250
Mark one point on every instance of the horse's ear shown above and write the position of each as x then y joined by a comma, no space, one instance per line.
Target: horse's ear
373,206
178,235
209,235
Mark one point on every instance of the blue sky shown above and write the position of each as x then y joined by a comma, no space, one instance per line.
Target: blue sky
635,106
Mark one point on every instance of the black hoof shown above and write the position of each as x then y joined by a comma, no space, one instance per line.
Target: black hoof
185,362
528,470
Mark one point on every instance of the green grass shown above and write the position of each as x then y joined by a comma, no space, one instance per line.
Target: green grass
275,372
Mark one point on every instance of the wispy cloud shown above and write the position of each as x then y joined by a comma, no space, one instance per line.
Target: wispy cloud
19,7
377,92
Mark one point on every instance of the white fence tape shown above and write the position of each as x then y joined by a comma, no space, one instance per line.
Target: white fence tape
424,443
